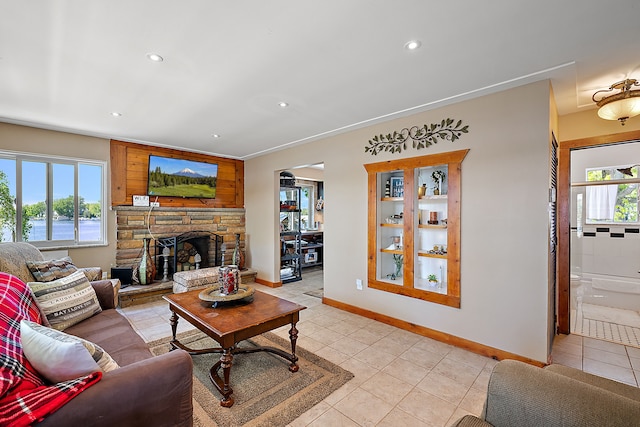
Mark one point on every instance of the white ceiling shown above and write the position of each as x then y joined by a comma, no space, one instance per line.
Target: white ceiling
340,64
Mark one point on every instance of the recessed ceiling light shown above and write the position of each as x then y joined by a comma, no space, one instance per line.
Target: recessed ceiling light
283,104
215,135
412,45
116,114
154,57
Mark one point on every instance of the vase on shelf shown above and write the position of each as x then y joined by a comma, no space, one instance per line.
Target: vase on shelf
146,268
238,255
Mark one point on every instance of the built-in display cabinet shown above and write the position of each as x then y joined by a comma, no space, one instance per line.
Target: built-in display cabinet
414,226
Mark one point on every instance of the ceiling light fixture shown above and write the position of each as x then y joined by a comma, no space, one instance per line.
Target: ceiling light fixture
412,45
154,57
215,135
619,106
116,114
283,104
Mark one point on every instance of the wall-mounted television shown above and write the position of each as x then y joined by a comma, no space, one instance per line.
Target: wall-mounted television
173,177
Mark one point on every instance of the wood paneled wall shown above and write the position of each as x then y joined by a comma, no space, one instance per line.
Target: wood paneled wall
130,167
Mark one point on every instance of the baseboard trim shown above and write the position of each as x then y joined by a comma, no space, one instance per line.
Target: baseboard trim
471,346
268,283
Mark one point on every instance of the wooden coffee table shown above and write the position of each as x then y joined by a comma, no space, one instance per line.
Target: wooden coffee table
232,323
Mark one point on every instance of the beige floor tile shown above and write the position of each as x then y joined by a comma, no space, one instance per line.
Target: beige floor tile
633,352
348,346
363,407
406,371
387,387
606,370
459,413
604,345
367,336
566,359
422,357
311,415
443,387
398,418
473,401
621,360
372,356
333,418
426,407
462,373
464,356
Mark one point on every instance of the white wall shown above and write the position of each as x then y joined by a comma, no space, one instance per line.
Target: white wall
504,219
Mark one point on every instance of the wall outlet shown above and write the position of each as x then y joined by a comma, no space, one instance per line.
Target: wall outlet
359,284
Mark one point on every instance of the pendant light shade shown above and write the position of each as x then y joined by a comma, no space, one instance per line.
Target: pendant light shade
621,105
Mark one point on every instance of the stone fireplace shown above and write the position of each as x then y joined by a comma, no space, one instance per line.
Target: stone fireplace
186,231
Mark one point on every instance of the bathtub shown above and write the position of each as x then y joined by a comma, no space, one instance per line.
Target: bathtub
611,291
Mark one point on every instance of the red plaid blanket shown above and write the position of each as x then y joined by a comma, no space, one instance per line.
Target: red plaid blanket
24,396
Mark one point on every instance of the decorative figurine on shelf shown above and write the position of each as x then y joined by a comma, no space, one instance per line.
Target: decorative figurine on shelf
387,189
433,280
397,259
198,259
438,177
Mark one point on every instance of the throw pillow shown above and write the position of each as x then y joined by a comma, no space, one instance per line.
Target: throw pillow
66,301
46,271
61,357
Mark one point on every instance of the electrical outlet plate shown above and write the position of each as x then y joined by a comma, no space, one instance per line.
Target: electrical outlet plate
359,284
140,200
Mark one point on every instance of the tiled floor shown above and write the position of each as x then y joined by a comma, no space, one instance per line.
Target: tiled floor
400,378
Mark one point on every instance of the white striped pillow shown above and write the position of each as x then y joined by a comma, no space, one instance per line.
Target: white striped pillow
66,301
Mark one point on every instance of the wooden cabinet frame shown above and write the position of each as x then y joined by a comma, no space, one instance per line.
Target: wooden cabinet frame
410,227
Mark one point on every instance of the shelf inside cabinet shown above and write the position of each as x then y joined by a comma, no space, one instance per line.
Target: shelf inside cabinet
438,226
435,197
384,224
392,251
429,255
392,199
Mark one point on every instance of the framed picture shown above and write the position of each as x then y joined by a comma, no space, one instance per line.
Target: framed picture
397,186
310,257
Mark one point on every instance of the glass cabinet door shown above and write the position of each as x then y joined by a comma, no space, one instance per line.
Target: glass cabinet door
414,226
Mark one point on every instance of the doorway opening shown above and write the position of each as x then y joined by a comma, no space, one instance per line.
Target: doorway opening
301,225
605,243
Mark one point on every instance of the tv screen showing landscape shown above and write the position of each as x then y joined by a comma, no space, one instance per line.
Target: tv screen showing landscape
181,178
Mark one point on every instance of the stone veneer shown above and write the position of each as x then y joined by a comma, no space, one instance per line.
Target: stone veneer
133,223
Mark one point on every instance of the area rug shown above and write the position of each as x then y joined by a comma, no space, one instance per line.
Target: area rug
265,392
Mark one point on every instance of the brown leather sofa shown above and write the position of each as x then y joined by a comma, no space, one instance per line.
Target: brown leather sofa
527,396
145,391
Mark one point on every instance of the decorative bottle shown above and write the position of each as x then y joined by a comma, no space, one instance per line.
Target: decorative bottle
238,256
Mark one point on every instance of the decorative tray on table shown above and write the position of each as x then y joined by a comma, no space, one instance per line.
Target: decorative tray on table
214,295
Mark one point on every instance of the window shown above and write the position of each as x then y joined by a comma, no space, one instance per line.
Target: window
52,201
307,206
612,203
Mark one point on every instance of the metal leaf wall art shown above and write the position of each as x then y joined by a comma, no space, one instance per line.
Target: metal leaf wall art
422,137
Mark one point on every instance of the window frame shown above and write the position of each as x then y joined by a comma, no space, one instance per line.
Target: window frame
610,181
49,162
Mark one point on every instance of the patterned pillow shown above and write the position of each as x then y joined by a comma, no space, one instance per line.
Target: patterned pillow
61,357
66,301
46,271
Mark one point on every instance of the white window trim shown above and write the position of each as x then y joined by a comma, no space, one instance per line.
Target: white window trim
19,157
